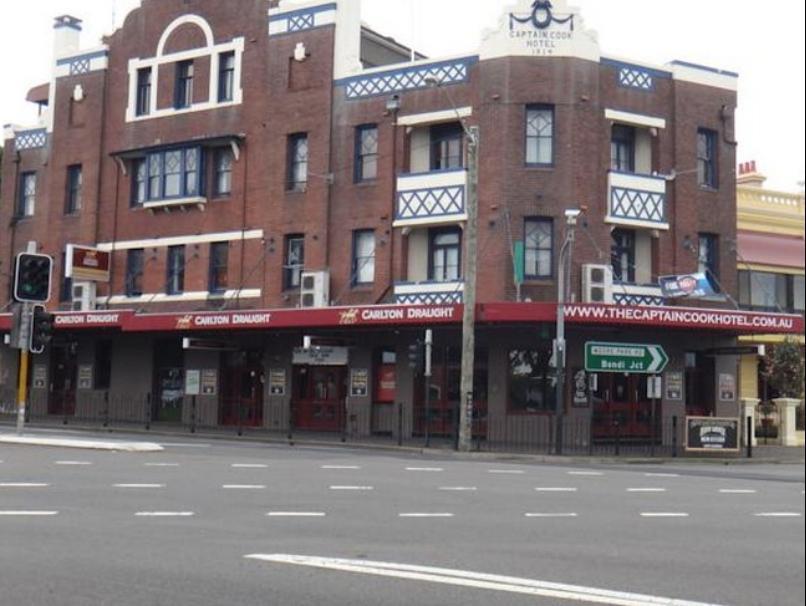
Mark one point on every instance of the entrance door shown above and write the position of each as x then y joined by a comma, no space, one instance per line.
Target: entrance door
242,390
63,373
169,379
621,407
700,391
319,396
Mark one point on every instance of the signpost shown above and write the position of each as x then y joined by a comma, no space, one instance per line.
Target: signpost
625,357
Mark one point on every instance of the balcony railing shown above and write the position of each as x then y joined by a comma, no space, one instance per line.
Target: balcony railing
637,200
638,295
429,293
431,198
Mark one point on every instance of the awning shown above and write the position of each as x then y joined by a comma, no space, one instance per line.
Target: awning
771,249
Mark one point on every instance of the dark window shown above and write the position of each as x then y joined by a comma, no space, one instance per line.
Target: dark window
184,85
143,91
222,168
103,364
798,294
366,153
226,77
708,258
540,135
66,290
219,262
767,291
75,183
167,174
26,203
175,282
538,248
706,158
297,176
622,148
445,259
134,272
294,261
363,257
447,146
622,255
531,381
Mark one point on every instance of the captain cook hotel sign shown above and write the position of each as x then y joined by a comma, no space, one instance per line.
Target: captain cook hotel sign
542,32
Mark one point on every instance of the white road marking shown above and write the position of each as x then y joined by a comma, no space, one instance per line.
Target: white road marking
663,514
244,486
184,445
425,515
778,514
365,488
662,475
165,514
459,488
28,513
341,467
551,515
249,466
296,514
507,471
23,485
432,469
162,464
737,491
646,490
585,473
138,485
555,489
73,462
476,580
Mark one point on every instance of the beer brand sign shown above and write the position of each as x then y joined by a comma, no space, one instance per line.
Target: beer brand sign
86,264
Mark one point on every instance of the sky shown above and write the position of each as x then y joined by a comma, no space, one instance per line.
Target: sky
762,41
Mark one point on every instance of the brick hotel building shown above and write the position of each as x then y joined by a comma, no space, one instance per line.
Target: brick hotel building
264,175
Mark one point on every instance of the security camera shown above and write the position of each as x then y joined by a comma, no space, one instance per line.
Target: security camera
572,215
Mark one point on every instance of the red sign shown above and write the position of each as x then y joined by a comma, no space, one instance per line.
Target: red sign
5,322
386,383
91,319
87,264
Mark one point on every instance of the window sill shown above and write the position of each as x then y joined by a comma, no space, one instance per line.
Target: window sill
539,281
296,191
366,183
177,203
540,167
708,188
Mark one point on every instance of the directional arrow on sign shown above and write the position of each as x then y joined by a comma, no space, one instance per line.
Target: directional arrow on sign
631,358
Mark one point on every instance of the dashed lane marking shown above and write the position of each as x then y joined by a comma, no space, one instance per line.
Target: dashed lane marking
357,488
138,486
165,514
476,580
184,445
296,514
737,491
551,515
243,486
585,473
427,469
507,471
341,467
28,513
646,490
662,475
556,489
249,466
778,514
425,515
162,464
23,485
458,488
664,514
76,463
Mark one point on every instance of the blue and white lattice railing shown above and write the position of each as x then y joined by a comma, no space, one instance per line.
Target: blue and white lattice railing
284,21
637,200
638,295
431,198
429,293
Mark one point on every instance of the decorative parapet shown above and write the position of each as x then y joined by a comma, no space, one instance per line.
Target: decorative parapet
35,138
83,63
637,200
429,293
431,198
284,21
641,77
413,76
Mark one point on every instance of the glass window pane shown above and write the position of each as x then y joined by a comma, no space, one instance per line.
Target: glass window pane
798,293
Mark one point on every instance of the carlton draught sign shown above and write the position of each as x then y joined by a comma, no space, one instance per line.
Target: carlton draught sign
85,264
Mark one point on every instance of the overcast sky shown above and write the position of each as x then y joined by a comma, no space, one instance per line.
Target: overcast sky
763,41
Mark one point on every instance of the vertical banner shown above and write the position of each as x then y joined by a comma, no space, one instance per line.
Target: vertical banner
727,387
85,372
277,382
359,382
674,386
209,382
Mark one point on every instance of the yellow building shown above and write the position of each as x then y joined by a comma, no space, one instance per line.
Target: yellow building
770,258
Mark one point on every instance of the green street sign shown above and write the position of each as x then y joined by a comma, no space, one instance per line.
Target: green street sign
630,358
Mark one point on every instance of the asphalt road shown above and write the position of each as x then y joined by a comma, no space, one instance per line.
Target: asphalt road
84,528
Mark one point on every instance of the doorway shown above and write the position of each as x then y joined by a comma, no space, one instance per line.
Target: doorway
622,408
63,373
169,381
242,389
319,397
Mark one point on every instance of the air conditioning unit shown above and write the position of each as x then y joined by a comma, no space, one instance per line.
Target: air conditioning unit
597,284
315,289
83,296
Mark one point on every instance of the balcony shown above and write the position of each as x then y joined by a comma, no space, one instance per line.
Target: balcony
636,200
638,295
431,198
429,293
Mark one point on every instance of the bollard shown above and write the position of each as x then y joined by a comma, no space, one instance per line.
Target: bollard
618,438
193,414
749,438
106,409
674,437
148,412
400,423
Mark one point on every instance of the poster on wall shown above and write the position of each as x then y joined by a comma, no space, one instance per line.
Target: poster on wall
209,382
359,382
386,383
85,376
580,388
277,381
192,382
40,378
674,386
727,387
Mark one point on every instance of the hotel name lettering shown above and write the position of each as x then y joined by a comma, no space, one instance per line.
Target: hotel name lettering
542,42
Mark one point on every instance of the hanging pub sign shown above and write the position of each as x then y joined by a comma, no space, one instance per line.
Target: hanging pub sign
83,263
359,382
209,382
85,376
712,434
693,286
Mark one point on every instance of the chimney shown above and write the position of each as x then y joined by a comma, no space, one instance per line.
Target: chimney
347,53
749,175
66,35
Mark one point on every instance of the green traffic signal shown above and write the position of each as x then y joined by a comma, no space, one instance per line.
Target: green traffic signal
32,279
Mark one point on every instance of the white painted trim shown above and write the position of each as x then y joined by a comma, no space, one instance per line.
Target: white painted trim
201,22
226,236
278,27
176,202
428,288
636,223
431,221
251,293
702,76
636,119
447,115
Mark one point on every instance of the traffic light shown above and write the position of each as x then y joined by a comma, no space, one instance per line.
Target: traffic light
415,355
41,329
32,278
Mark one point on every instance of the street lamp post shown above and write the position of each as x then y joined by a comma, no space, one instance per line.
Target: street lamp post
563,278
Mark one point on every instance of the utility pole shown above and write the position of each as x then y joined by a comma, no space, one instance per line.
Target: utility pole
469,317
